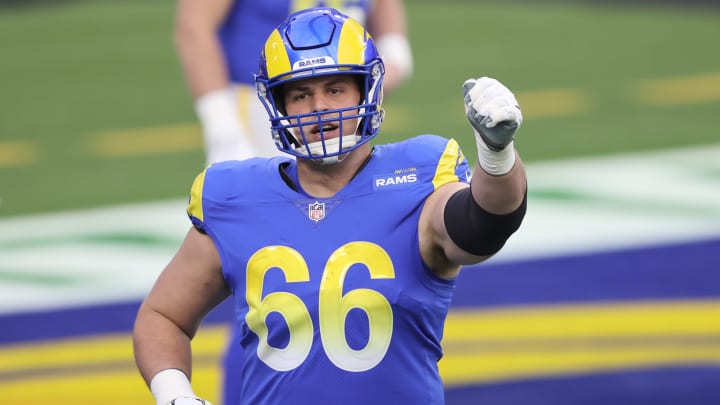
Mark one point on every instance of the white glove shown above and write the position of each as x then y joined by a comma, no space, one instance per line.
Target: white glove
492,110
189,401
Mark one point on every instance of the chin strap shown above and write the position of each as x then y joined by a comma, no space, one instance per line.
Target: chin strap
331,146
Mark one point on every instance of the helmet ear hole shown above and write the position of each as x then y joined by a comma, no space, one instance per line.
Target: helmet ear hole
362,86
278,96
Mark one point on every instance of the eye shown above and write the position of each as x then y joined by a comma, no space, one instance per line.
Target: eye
298,96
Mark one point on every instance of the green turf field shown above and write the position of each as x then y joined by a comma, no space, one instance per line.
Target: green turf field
94,110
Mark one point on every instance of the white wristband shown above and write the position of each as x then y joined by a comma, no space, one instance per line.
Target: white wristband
496,163
169,384
394,49
218,111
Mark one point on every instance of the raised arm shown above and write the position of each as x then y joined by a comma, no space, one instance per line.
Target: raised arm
466,225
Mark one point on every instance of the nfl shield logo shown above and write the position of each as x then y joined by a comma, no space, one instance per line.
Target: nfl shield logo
316,211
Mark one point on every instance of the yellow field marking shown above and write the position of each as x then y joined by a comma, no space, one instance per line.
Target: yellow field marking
122,386
522,363
119,387
511,344
98,370
183,138
554,102
671,91
17,153
481,346
548,103
661,318
147,141
90,352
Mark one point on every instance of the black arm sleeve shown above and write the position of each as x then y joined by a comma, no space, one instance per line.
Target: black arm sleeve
477,231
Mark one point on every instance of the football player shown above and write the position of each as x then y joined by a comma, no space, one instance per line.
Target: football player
214,39
341,260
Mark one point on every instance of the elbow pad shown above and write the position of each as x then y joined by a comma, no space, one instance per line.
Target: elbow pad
477,231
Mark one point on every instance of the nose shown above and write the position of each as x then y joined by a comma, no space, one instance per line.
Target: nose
319,102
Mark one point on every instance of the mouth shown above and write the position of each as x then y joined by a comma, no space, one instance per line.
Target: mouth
325,131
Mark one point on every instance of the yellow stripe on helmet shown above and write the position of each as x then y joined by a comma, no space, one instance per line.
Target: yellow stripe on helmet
350,49
276,56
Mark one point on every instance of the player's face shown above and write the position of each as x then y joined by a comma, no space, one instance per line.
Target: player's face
319,94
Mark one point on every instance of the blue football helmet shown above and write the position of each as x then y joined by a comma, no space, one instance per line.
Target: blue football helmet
318,42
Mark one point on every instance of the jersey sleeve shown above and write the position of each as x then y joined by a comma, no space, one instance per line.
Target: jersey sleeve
195,203
452,166
219,190
209,191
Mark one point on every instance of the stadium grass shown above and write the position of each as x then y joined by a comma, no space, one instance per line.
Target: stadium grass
73,71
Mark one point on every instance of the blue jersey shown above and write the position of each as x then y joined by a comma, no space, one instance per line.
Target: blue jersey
332,298
249,22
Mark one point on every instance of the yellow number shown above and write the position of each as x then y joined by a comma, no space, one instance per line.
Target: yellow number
333,306
288,305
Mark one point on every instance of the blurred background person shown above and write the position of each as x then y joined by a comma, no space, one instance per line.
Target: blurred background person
217,40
